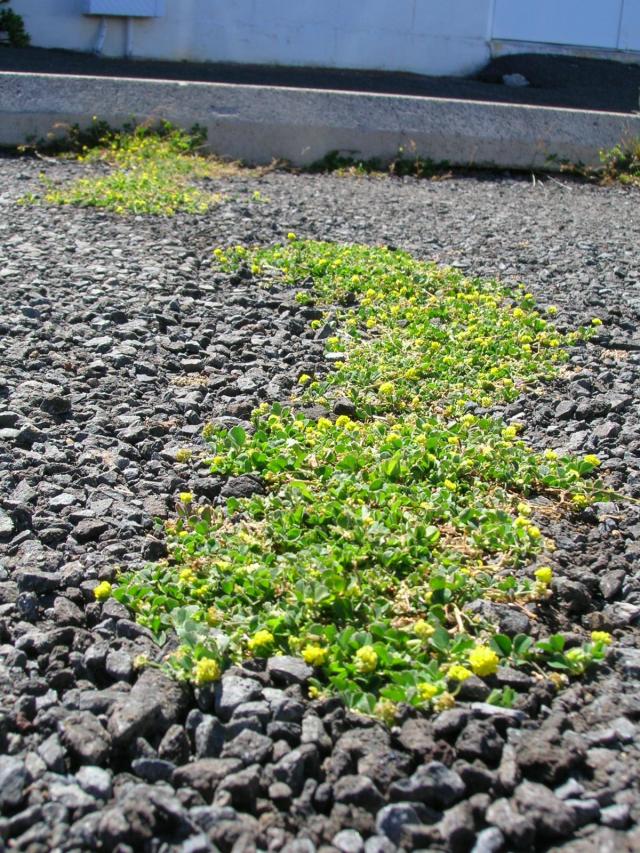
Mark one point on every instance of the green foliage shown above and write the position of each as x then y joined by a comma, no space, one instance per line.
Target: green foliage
622,163
401,165
380,528
13,25
149,170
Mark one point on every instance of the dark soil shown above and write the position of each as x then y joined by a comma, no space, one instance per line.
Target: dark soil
119,342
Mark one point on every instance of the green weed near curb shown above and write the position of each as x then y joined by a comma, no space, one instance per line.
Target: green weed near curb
382,525
150,171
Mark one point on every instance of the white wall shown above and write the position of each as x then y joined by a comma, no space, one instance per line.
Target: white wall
423,36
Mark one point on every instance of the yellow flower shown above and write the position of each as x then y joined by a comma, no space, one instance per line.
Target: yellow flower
366,659
186,497
450,485
426,691
343,422
323,424
509,432
386,710
214,616
140,661
261,641
187,576
314,692
459,673
596,321
558,679
580,501
551,455
386,389
602,637
544,575
483,660
314,655
592,459
304,379
102,591
423,629
291,236
444,702
206,670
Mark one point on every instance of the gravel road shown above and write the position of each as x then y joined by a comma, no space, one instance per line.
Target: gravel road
118,342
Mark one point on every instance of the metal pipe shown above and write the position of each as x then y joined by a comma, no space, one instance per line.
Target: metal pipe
100,37
128,29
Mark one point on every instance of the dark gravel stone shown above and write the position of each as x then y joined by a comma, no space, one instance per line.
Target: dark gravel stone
232,691
432,784
248,747
87,740
205,774
479,739
544,758
89,529
286,669
391,819
552,817
358,791
13,779
519,830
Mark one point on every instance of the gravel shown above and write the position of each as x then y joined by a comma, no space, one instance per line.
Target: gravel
119,342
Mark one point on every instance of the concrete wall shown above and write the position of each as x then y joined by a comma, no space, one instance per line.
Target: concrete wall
423,36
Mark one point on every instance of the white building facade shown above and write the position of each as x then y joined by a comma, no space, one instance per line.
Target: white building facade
435,37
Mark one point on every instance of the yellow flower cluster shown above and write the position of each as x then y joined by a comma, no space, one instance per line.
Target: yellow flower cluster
206,670
457,672
314,655
426,691
544,575
423,629
603,637
366,659
261,641
483,661
102,591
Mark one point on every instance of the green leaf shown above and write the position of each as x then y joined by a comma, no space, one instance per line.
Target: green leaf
238,436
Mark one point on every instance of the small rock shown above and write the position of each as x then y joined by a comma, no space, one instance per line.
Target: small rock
391,819
518,830
585,811
552,817
348,841
490,840
249,747
95,781
85,738
13,778
89,530
432,784
205,774
232,691
358,791
287,669
616,816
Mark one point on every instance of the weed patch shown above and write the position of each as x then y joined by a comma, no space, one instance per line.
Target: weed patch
150,170
394,510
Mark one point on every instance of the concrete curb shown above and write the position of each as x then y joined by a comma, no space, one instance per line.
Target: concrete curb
260,123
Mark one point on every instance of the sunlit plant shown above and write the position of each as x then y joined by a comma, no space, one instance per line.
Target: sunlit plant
389,515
